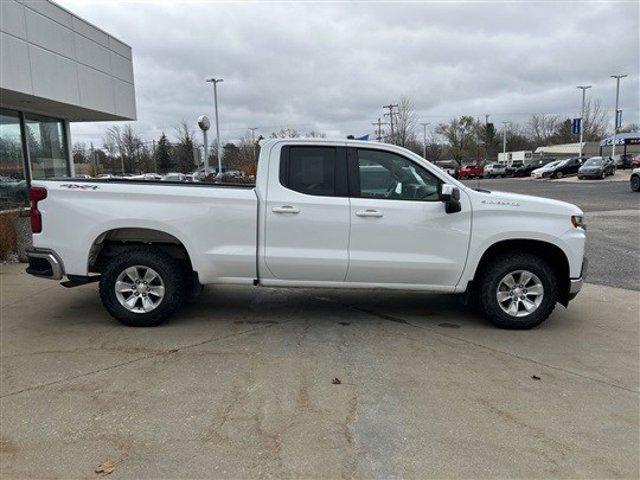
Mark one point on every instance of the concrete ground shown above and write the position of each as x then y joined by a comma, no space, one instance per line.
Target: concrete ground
241,385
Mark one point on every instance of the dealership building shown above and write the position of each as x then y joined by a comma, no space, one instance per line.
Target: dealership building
55,68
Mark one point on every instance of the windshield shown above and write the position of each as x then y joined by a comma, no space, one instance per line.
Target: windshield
553,164
594,161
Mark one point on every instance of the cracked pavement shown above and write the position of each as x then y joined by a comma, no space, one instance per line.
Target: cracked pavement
239,385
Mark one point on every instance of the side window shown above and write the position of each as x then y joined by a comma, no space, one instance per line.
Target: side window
310,170
388,176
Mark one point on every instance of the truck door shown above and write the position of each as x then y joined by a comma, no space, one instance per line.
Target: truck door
307,214
400,232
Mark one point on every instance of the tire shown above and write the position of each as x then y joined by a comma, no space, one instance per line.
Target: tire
491,280
559,175
171,276
580,177
635,183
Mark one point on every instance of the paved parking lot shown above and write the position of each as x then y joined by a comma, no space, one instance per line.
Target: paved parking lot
250,383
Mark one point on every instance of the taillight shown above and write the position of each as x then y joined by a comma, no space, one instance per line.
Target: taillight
36,194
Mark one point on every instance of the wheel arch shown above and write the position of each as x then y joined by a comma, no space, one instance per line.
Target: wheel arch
110,242
551,253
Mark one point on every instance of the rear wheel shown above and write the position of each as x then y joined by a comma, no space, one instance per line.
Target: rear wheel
559,175
635,183
142,286
518,291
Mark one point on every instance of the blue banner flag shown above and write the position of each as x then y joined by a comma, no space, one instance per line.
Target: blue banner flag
618,118
576,125
364,137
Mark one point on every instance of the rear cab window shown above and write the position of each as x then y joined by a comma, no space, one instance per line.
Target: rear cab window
314,170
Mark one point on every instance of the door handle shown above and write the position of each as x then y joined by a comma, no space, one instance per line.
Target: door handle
285,209
369,213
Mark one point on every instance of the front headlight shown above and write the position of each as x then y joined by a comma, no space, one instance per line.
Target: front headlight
578,221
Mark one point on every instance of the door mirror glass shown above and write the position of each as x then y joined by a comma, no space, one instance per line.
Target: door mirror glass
450,195
449,192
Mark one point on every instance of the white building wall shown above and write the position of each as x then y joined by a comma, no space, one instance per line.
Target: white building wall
53,62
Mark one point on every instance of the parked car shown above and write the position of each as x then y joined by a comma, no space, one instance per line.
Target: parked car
13,190
539,172
513,167
635,162
470,171
635,180
596,167
174,177
525,170
450,167
622,161
319,227
494,170
563,169
146,176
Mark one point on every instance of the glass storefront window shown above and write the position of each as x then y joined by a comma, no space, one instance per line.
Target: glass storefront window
47,147
13,186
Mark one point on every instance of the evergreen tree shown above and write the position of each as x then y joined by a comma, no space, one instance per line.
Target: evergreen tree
163,155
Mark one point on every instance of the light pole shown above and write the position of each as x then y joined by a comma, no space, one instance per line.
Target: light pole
215,82
584,89
504,141
615,114
253,141
424,139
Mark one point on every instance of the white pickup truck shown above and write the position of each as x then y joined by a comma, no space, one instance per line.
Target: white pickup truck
323,213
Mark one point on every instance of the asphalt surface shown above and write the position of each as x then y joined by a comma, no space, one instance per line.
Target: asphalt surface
612,213
262,383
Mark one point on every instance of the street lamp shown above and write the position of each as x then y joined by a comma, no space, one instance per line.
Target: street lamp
615,114
584,89
215,82
424,139
204,124
504,141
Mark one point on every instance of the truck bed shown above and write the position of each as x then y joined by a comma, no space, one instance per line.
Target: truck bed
216,221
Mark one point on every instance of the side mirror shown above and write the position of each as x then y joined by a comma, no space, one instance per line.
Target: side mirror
450,196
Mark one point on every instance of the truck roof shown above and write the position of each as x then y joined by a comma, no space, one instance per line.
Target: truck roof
315,141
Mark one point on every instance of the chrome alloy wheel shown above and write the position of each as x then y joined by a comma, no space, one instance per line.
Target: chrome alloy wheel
139,289
519,293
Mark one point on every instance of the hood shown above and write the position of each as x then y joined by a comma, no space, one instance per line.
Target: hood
526,203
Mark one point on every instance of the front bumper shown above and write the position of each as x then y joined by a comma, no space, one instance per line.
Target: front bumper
44,263
591,174
575,284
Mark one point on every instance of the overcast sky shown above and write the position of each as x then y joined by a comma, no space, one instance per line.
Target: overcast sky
331,66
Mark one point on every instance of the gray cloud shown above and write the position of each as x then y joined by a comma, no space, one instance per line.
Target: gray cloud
330,67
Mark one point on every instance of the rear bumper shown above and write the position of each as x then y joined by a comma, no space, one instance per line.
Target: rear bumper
44,263
575,284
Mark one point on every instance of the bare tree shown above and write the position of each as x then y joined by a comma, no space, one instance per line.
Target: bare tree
285,133
405,123
460,134
541,128
596,124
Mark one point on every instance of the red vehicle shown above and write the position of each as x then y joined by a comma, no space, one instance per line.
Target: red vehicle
470,171
635,162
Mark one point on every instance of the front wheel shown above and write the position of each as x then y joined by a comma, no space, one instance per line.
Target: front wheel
518,291
142,286
559,175
635,183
